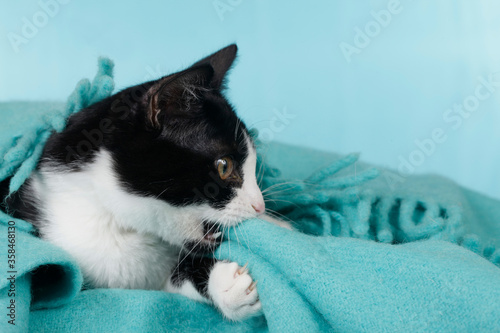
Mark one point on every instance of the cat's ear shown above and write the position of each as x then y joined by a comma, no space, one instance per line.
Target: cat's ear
178,94
221,62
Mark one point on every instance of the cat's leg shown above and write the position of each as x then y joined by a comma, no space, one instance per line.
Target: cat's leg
225,284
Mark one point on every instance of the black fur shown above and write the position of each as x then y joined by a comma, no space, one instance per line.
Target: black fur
164,136
195,269
19,205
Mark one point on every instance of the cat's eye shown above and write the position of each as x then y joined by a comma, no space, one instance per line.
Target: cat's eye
225,167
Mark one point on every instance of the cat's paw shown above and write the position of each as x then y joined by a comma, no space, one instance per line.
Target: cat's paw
233,291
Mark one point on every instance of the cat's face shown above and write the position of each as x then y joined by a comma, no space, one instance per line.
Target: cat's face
193,152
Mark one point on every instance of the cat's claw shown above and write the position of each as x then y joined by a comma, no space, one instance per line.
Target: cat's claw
233,291
251,287
242,270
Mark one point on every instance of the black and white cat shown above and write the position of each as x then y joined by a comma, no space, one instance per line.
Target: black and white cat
141,178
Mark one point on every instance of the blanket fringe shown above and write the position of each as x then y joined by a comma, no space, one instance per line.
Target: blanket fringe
324,205
22,157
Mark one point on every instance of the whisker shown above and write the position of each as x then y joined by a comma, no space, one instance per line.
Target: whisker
191,232
281,184
281,200
244,233
193,248
298,182
237,239
229,241
280,216
236,129
241,133
268,194
218,258
260,174
161,193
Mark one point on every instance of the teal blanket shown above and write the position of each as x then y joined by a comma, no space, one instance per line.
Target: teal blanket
373,250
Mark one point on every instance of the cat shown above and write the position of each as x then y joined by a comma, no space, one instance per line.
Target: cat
140,181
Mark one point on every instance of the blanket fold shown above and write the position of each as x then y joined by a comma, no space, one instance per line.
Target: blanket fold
373,250
356,285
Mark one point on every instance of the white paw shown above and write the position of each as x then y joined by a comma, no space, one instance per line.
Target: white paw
233,291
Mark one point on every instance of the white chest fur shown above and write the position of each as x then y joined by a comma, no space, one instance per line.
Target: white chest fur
124,240
119,240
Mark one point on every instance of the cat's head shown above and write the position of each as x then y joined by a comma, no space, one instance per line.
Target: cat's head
193,152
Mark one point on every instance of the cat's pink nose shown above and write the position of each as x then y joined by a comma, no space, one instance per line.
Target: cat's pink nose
259,207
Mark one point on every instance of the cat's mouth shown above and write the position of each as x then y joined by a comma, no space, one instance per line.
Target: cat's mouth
212,237
211,233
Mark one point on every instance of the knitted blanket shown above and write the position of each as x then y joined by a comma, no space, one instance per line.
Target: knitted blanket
373,250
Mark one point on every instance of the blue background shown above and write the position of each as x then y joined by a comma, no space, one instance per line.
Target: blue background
395,90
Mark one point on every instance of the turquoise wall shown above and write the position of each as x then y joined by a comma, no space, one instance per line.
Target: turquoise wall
409,84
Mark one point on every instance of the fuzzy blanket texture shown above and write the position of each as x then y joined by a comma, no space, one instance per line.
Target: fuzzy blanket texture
374,251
